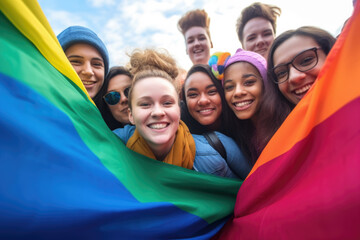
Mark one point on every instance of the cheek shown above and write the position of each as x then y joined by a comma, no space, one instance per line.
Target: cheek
283,88
249,46
269,39
99,73
228,96
77,69
174,112
188,47
217,101
191,104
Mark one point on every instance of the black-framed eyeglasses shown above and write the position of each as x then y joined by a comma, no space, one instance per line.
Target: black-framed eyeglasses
113,97
303,61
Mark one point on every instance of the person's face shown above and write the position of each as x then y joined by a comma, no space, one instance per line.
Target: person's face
258,35
243,86
155,112
120,110
89,65
298,83
198,45
203,99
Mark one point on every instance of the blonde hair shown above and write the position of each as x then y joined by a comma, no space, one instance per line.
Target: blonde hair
152,63
198,18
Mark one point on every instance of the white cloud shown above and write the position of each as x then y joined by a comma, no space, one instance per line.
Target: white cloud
101,3
150,23
59,20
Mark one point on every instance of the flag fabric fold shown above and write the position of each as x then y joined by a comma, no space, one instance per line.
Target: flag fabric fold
64,174
305,184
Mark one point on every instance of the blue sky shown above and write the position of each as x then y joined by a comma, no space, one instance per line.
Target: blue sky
127,24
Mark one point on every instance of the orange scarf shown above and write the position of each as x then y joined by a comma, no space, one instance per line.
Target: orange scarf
182,152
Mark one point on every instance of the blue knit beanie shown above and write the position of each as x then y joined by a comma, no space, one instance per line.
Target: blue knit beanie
78,34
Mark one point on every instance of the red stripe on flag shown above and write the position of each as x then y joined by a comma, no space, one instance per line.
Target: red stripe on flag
310,192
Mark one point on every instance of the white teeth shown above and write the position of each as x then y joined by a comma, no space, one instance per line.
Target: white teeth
198,51
303,89
87,82
205,110
241,104
157,125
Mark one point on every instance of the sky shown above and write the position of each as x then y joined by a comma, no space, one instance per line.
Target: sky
124,25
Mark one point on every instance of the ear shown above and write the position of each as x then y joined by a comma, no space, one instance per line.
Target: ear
131,118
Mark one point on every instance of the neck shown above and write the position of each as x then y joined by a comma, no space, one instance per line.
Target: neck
161,151
216,125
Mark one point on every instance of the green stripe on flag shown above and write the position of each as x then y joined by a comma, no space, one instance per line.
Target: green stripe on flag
206,196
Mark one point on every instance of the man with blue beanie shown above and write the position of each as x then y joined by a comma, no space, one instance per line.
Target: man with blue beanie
88,56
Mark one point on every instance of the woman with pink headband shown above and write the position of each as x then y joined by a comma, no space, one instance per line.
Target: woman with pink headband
244,82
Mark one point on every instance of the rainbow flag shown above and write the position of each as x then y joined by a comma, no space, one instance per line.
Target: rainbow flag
64,174
306,183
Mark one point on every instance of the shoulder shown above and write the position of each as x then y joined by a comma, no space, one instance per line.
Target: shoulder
125,133
228,142
208,160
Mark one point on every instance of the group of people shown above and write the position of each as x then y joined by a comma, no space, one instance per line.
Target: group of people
220,118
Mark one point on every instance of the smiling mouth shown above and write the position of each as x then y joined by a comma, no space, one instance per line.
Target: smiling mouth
158,125
88,82
206,111
125,110
303,89
198,51
243,104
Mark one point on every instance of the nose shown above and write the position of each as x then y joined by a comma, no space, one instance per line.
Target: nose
196,42
203,100
295,76
157,111
260,41
87,69
123,99
239,91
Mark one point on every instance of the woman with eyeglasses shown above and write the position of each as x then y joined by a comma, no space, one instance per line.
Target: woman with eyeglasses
295,60
114,108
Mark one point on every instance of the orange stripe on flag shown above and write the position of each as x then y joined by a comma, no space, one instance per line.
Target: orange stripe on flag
335,87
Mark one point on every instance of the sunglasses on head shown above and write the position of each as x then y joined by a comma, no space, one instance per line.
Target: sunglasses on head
114,97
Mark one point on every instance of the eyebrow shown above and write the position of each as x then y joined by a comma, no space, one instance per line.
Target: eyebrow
78,56
207,87
75,56
197,35
249,75
246,75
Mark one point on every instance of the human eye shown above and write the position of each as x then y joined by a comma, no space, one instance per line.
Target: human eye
168,102
228,87
75,61
192,95
202,37
144,104
268,33
307,60
250,82
98,64
190,40
212,91
251,38
280,72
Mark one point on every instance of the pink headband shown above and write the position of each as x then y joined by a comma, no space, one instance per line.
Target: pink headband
253,58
